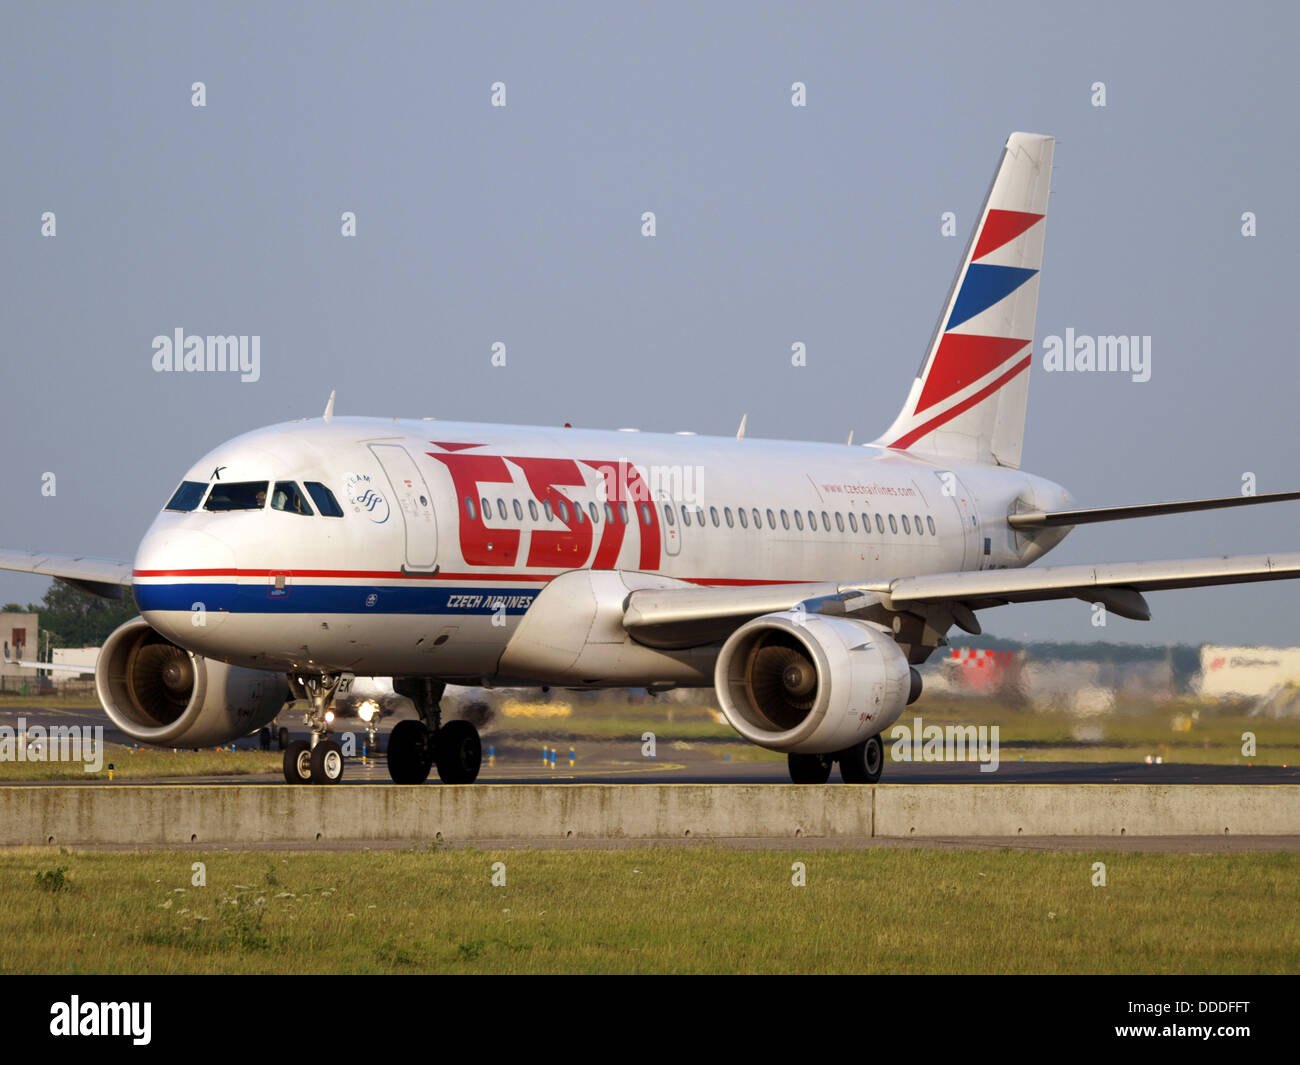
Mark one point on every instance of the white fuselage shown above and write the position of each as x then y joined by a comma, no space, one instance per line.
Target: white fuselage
449,531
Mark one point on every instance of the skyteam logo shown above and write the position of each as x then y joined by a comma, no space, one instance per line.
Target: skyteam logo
365,498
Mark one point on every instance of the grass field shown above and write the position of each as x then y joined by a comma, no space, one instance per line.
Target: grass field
663,910
147,762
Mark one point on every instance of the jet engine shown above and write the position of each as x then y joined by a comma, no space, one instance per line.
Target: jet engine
812,683
161,694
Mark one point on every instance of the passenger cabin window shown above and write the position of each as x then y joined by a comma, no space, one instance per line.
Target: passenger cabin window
237,495
546,508
839,521
917,518
853,522
595,514
578,513
812,521
324,499
645,514
907,525
501,510
771,519
929,521
880,524
532,509
893,525
186,497
519,511
731,524
668,514
713,513
686,516
758,521
622,513
798,520
744,521
469,508
288,498
785,520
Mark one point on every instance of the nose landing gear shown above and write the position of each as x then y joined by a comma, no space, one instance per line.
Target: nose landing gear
320,761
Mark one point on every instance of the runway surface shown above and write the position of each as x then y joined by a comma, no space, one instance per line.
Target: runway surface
517,761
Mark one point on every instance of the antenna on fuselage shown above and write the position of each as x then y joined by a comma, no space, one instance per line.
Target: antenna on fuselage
849,441
329,408
740,433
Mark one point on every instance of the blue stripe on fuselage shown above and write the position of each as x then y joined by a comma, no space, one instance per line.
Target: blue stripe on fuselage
332,598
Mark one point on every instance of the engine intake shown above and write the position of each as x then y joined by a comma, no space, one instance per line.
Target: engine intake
812,683
161,694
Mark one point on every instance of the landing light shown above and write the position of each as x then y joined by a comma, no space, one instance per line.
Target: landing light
367,710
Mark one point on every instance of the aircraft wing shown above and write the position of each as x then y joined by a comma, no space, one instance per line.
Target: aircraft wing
683,617
99,576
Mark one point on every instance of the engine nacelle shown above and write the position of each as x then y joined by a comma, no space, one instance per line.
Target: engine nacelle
812,683
161,694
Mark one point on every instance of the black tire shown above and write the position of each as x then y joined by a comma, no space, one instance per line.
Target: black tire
863,763
284,738
327,762
460,753
297,762
410,754
809,768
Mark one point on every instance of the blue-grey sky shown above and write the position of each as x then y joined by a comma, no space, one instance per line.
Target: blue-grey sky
522,225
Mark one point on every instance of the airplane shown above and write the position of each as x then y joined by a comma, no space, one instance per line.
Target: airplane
804,581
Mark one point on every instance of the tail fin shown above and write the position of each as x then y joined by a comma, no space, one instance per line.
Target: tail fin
968,400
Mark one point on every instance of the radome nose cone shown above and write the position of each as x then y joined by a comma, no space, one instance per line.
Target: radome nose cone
182,579
178,553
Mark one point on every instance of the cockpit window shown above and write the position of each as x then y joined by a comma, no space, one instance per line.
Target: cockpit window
325,501
287,497
186,497
237,495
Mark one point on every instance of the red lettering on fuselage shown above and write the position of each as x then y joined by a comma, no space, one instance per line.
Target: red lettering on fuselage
625,492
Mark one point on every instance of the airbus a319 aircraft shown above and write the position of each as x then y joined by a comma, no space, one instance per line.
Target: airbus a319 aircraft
804,581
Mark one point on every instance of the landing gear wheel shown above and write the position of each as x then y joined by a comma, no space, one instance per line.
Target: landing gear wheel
297,762
410,754
809,768
863,763
460,753
327,762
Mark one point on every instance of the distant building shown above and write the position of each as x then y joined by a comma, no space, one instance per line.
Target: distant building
76,656
1247,672
22,633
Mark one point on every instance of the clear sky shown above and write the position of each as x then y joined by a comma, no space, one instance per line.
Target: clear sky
522,224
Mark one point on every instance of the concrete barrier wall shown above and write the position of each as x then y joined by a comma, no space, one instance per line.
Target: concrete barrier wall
169,815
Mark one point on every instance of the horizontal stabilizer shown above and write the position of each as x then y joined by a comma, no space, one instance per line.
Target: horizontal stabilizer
1044,520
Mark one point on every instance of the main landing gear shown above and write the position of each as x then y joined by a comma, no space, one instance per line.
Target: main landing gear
860,764
320,761
415,747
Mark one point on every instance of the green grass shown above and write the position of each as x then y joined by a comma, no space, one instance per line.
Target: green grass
148,762
49,702
662,910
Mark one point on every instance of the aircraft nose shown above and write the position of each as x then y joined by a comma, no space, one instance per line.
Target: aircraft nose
183,579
